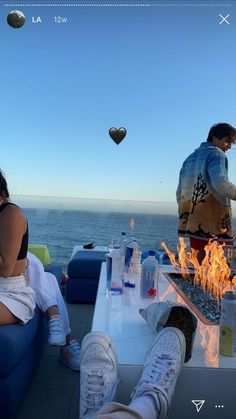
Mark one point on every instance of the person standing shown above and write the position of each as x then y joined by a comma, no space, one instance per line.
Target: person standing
204,191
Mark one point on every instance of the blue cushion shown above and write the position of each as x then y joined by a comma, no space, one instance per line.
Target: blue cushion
85,266
14,340
93,255
14,385
83,276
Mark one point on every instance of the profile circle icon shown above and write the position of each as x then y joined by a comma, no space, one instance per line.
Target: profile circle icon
16,19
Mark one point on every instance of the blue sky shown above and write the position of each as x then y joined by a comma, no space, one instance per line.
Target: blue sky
166,74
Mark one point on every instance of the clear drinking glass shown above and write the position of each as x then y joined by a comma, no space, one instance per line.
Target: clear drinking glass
160,252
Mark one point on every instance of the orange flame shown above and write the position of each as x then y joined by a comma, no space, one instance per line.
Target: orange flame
213,274
209,342
170,254
132,223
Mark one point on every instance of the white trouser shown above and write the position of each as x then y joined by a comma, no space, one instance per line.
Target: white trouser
46,288
18,297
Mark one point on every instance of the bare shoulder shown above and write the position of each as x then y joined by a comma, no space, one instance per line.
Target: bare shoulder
13,212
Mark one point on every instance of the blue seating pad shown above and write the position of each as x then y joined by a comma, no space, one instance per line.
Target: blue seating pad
85,265
14,340
91,255
83,276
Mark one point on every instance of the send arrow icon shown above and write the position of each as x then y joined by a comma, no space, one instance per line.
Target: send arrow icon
198,404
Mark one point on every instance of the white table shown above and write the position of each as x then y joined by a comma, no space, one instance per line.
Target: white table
208,375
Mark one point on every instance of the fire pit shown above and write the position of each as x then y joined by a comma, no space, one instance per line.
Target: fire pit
204,306
202,286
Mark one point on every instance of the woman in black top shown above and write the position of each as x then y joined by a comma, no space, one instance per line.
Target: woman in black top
16,297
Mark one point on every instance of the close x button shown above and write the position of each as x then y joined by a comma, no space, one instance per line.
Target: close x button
224,19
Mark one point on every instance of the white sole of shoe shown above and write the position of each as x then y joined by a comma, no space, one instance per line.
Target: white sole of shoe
57,344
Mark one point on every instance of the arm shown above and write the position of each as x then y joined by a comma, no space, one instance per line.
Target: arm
178,191
218,173
12,229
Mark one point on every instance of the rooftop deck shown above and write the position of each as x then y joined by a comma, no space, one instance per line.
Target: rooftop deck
54,392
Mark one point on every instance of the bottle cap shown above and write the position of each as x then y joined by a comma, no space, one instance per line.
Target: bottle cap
151,253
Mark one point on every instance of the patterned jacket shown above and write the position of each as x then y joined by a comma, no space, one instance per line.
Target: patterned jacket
204,194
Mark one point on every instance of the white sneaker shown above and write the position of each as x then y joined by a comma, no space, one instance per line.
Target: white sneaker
56,333
70,355
98,373
163,363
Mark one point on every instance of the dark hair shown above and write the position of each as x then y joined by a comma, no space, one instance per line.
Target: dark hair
3,186
222,130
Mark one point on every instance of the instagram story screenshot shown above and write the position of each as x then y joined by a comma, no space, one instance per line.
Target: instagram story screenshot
118,171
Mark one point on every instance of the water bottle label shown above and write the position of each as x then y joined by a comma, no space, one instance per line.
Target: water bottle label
227,339
150,274
227,344
148,278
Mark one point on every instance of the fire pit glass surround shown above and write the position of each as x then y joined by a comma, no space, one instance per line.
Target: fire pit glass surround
204,306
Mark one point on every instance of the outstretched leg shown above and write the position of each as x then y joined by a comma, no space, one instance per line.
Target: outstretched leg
163,363
98,373
152,396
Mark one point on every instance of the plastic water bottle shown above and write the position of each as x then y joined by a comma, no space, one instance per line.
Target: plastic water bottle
131,245
135,261
123,244
228,324
109,266
148,275
116,276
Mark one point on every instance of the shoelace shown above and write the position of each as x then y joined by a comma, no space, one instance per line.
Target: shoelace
163,367
55,325
94,394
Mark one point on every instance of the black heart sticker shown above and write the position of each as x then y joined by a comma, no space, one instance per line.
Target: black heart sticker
117,135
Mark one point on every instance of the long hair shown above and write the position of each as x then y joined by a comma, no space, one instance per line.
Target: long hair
3,186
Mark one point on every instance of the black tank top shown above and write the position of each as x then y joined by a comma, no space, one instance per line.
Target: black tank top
24,244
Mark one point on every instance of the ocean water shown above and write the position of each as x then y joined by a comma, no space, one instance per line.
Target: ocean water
61,230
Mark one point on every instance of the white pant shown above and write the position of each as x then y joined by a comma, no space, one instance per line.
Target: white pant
46,288
18,297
